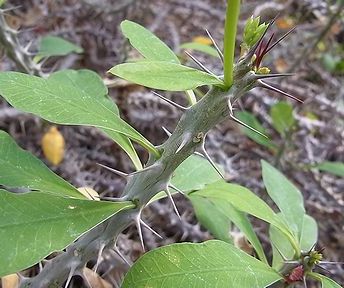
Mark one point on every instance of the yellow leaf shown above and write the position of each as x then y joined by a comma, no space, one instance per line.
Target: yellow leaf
202,40
10,281
89,193
94,279
53,146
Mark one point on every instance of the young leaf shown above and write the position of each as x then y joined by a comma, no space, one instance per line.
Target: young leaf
93,85
209,264
164,75
150,46
282,117
325,281
335,168
20,169
56,46
217,223
206,49
309,233
252,121
66,104
244,200
287,197
35,224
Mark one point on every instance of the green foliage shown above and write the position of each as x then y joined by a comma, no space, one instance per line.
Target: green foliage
90,82
206,49
56,46
325,281
282,117
287,197
164,75
210,264
63,103
253,31
21,170
252,121
335,168
33,225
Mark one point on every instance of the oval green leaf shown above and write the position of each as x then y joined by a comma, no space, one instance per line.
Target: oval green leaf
66,104
282,117
164,75
22,171
335,168
33,225
144,41
209,264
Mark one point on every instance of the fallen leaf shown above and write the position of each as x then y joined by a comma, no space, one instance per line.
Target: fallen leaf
240,241
89,193
202,40
53,146
94,280
10,281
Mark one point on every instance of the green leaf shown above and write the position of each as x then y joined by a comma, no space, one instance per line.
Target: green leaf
194,173
150,46
33,225
335,168
206,49
325,281
209,264
217,223
282,117
287,197
66,104
244,200
252,121
164,75
309,233
56,46
93,85
21,170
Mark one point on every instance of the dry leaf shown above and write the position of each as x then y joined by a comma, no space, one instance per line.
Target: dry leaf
285,23
89,193
53,145
10,281
94,280
202,40
281,65
240,241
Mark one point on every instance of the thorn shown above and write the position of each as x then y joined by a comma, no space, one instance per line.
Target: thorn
323,268
70,275
121,256
117,172
285,260
279,40
205,69
330,262
267,76
176,188
231,115
170,101
40,266
101,249
304,281
262,52
215,45
212,163
151,167
198,154
150,229
267,86
182,145
168,193
166,131
139,229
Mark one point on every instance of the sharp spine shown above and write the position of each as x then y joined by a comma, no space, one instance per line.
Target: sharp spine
150,229
176,188
280,39
168,133
170,101
139,229
151,167
100,252
212,163
267,76
205,69
272,88
182,145
215,45
121,255
168,193
117,172
70,275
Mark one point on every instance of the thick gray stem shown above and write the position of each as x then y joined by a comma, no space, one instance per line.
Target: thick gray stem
141,187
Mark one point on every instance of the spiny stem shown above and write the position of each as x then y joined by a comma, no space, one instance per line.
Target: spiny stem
232,16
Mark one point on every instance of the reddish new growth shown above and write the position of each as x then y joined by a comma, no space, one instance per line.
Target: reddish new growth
295,275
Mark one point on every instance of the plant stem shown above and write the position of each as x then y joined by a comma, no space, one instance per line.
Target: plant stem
232,16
